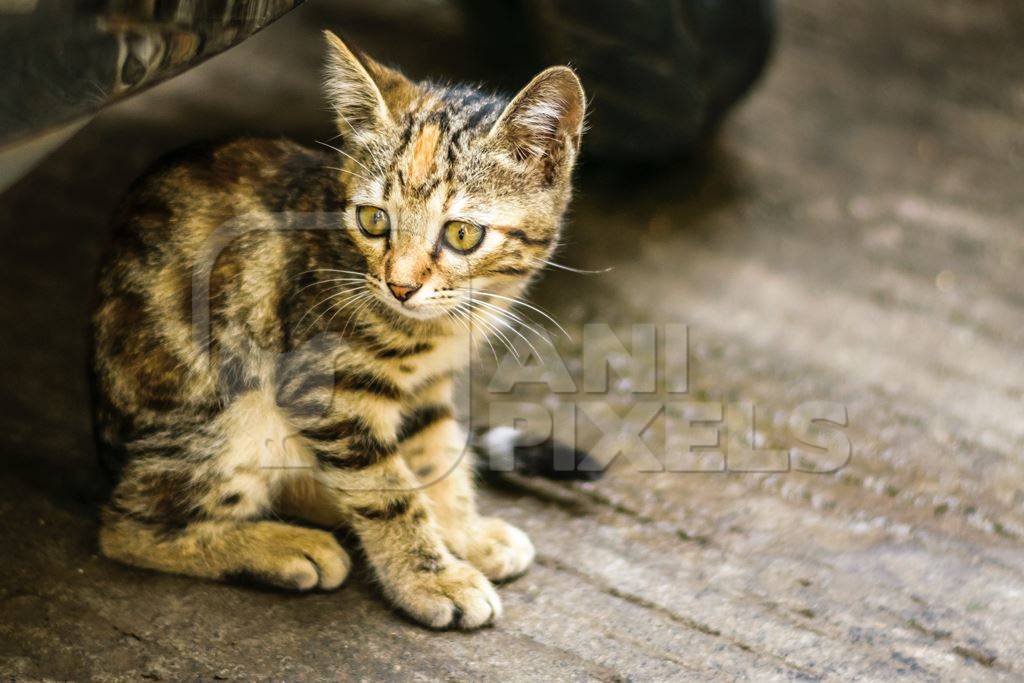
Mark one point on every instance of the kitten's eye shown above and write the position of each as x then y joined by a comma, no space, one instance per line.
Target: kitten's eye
463,237
373,220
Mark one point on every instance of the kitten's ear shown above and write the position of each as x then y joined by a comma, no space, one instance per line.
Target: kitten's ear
545,120
361,91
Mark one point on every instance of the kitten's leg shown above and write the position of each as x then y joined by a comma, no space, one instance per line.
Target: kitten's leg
173,514
273,553
382,503
436,448
362,474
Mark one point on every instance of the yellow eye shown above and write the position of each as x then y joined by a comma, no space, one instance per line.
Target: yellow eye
463,237
373,221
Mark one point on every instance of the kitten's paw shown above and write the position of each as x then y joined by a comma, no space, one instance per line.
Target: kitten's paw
499,550
458,596
297,558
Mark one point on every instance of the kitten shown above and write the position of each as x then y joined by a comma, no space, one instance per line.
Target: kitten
277,330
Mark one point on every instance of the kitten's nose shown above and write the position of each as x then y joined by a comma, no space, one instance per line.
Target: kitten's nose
403,292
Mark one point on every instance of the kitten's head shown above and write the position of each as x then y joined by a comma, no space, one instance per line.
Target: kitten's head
451,190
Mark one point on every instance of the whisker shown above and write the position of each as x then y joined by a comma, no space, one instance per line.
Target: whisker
351,173
521,302
324,282
347,123
329,270
570,269
451,315
498,333
333,307
342,307
462,311
346,155
312,308
378,164
517,319
512,329
354,313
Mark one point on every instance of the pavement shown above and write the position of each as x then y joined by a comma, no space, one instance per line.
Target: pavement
853,236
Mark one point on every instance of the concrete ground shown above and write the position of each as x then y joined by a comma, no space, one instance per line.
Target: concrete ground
854,236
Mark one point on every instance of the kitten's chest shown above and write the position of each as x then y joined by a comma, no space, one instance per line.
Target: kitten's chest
434,358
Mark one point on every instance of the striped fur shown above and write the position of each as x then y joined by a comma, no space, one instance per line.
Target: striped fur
250,360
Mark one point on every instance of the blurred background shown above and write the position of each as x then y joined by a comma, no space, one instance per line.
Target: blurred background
827,192
664,70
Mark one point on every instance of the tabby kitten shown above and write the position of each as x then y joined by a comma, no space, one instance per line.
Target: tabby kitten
277,329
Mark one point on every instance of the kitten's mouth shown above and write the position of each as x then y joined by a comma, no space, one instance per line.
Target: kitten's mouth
415,311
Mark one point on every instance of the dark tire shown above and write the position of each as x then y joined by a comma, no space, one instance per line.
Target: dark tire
660,74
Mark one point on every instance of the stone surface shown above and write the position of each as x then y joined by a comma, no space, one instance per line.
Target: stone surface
854,236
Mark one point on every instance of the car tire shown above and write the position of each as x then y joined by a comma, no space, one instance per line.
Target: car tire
661,74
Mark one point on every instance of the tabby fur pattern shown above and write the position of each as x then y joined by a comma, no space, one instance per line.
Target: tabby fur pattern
254,362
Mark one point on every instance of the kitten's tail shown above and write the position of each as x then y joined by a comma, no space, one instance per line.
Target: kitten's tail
503,450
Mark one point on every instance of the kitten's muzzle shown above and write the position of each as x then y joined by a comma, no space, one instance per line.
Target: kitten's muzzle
403,292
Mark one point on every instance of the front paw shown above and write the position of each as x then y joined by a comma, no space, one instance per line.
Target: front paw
455,596
498,549
292,557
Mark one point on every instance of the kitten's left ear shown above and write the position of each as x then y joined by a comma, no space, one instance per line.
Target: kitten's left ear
362,91
544,121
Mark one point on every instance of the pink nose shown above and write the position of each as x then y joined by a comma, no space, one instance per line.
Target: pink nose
403,292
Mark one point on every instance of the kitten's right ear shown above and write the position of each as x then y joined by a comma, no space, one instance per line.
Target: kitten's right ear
361,91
